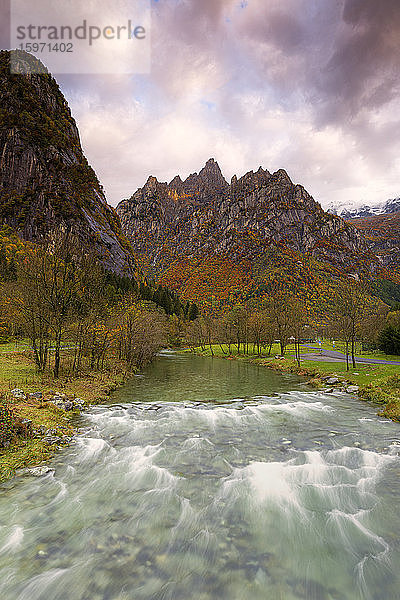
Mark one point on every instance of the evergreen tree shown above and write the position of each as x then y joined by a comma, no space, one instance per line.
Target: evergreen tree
193,312
389,340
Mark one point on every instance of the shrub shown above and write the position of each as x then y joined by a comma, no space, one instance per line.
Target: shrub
389,340
7,423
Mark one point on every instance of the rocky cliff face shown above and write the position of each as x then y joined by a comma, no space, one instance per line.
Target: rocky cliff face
46,182
205,214
220,244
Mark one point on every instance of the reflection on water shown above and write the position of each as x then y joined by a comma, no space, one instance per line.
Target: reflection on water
211,480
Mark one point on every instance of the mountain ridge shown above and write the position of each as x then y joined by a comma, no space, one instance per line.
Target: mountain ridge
239,203
387,207
178,229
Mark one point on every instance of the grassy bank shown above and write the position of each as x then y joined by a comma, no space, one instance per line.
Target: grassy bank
17,370
379,384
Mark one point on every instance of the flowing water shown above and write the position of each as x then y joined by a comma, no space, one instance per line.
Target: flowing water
211,480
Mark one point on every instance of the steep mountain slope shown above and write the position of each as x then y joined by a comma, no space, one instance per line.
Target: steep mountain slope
380,226
46,182
382,233
217,242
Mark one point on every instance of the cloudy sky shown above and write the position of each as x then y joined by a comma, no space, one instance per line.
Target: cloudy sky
311,86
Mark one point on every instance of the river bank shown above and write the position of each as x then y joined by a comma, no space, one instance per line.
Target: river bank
45,409
52,427
211,480
379,384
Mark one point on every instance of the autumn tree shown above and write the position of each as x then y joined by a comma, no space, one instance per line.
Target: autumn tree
299,319
96,295
58,292
280,308
237,318
353,310
196,334
139,332
261,329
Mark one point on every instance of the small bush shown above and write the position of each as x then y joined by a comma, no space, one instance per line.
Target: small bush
7,423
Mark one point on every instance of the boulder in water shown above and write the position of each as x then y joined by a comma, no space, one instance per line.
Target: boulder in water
38,471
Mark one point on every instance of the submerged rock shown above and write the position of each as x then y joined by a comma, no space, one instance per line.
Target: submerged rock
38,471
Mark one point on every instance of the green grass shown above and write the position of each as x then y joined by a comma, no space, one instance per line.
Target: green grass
23,453
341,347
275,350
14,346
18,370
361,375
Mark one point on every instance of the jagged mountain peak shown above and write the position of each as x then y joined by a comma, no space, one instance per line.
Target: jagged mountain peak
212,164
176,181
152,181
248,182
282,176
206,216
208,181
211,168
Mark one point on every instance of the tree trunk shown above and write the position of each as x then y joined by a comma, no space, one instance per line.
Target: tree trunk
36,354
297,346
353,358
57,355
210,345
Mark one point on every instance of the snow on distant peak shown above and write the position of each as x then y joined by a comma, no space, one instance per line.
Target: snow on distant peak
354,212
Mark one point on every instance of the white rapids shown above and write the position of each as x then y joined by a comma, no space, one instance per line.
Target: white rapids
288,495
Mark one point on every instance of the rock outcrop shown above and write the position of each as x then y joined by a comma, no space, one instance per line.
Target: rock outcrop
220,244
205,214
46,183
